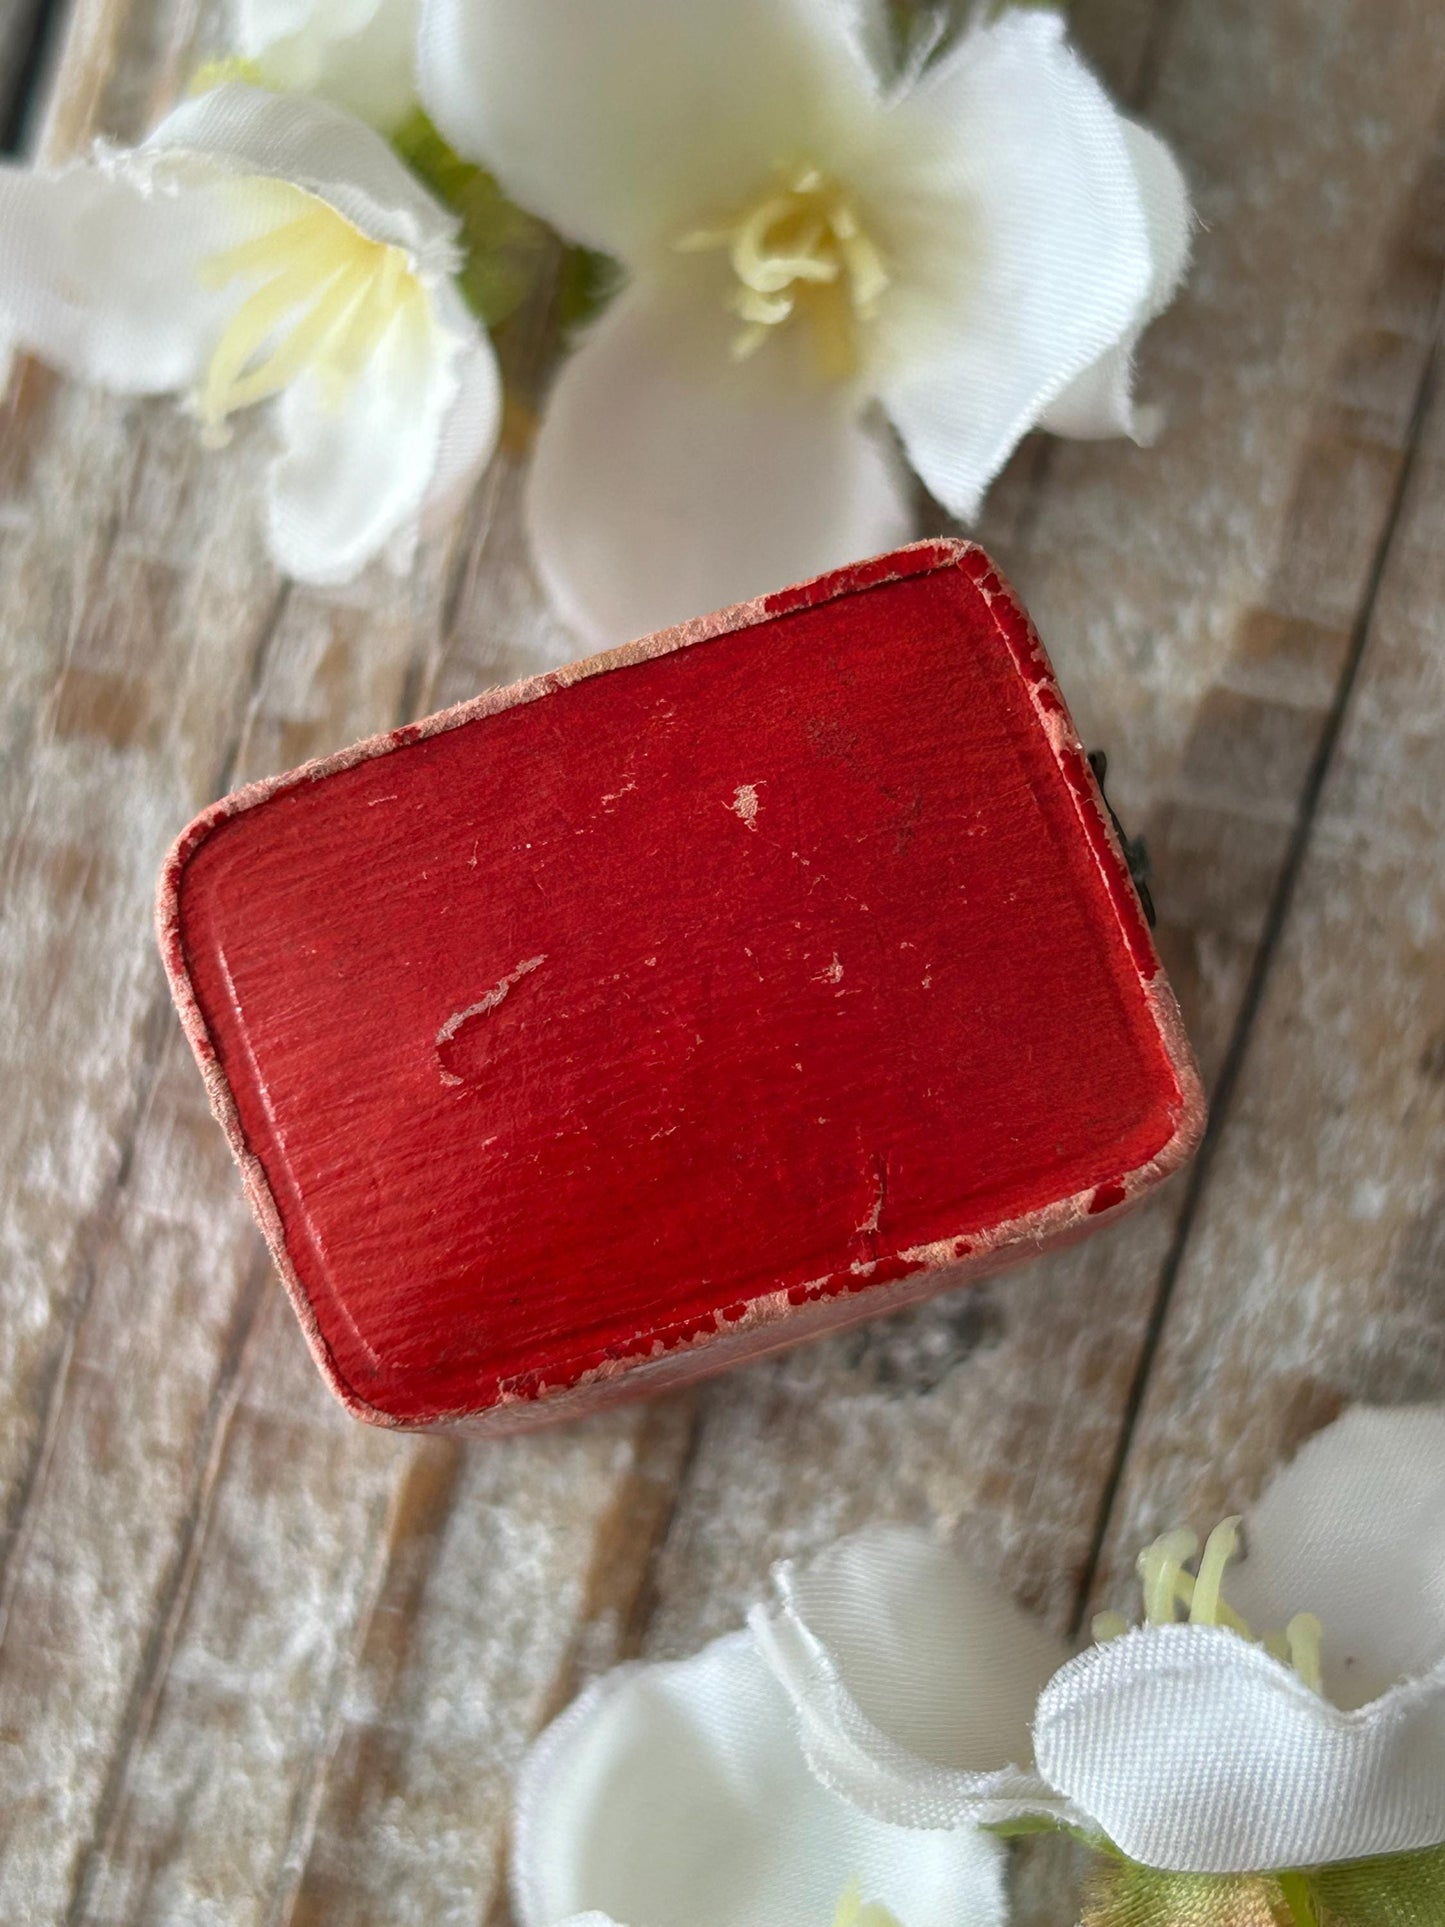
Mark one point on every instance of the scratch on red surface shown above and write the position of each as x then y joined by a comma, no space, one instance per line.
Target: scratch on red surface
498,994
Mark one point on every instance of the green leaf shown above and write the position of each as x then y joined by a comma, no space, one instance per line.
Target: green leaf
586,282
1397,1890
1027,1825
507,252
506,249
919,32
1023,1827
1123,1894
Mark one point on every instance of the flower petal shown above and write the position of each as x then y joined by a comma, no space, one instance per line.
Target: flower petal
1101,400
358,54
674,1795
669,480
290,137
473,421
914,1680
1195,1751
99,272
626,122
1354,1531
1010,202
353,475
258,25
102,265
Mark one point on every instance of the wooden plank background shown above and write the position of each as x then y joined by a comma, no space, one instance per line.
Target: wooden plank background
261,1665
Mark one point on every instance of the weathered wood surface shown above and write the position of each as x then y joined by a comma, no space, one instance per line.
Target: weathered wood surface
258,1664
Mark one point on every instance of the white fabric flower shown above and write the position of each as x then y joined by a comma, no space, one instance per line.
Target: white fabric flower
674,1795
358,54
260,246
812,251
1188,1746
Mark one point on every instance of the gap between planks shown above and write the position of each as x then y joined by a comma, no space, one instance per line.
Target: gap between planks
1197,1179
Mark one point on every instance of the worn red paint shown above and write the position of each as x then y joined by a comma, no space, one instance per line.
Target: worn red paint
1107,1198
745,982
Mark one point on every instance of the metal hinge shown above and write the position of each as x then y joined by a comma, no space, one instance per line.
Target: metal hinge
1136,850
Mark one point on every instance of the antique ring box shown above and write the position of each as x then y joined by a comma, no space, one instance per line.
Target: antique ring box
756,978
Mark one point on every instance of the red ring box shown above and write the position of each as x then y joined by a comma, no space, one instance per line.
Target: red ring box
750,980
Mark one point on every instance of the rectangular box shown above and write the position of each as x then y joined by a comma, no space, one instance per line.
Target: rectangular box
747,981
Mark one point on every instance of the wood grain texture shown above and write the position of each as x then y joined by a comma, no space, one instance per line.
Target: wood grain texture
1315,1273
258,1665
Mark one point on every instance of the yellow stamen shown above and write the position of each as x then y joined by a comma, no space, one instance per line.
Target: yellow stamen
324,297
853,1911
767,269
768,309
850,1903
228,388
747,341
867,276
215,73
1305,1637
392,295
1167,1585
800,250
316,237
1160,1567
1219,1549
702,240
